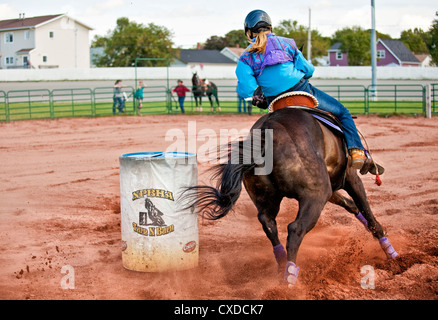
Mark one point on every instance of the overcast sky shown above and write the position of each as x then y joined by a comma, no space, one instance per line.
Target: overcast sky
195,21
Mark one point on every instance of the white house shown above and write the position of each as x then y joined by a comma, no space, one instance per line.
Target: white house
233,53
53,41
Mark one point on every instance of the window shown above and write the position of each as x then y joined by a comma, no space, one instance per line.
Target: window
9,60
9,37
51,34
339,56
381,54
26,35
44,58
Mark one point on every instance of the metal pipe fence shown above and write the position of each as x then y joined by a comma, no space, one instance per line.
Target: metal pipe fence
434,97
85,102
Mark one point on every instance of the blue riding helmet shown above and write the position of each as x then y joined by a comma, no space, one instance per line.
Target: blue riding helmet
255,20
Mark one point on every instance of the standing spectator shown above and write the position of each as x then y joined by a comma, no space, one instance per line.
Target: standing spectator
138,95
245,103
118,98
181,90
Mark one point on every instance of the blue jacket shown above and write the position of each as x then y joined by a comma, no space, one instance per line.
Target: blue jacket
280,68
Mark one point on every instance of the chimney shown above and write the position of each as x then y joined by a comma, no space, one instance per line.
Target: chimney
19,16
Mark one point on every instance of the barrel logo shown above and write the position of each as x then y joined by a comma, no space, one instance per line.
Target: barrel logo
151,220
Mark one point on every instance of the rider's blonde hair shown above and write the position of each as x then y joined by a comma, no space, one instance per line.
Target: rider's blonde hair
260,41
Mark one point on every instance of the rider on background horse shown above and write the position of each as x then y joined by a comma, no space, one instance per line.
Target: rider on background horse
276,65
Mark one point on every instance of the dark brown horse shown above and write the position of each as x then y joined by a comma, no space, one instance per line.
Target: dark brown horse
197,90
309,164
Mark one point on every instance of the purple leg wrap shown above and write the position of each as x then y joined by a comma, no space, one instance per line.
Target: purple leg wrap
280,254
291,274
387,247
362,219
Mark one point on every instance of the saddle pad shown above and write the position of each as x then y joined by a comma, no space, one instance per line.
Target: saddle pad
329,123
324,117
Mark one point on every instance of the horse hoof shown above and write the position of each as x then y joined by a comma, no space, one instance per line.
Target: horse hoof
291,274
388,248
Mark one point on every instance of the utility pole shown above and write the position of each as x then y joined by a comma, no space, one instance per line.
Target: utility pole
373,53
309,37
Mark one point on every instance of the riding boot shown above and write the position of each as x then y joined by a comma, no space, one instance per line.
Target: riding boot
358,158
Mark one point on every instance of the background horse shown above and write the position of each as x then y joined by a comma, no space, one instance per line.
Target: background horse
197,90
211,90
309,164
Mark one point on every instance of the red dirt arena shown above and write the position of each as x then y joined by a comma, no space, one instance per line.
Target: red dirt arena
60,206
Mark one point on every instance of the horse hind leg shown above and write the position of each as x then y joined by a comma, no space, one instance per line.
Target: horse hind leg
356,190
211,102
267,217
200,103
308,214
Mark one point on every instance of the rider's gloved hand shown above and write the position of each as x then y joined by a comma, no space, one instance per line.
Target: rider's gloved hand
259,99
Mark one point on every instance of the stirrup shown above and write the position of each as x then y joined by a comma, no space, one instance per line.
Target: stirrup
370,166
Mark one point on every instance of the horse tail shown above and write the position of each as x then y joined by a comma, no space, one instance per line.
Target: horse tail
216,202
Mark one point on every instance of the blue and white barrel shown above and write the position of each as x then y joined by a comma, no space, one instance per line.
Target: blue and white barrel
157,233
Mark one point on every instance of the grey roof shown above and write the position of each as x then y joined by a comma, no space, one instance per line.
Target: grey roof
400,50
203,56
336,46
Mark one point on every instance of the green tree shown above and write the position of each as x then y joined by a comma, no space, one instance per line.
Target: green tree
237,37
299,33
291,29
215,43
431,39
233,38
130,40
355,42
415,40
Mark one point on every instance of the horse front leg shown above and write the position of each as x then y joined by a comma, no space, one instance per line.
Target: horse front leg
355,188
350,206
200,103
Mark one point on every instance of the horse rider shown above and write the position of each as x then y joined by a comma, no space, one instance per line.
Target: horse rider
276,65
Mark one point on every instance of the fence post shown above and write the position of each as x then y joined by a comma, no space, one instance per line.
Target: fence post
51,105
367,104
428,101
7,116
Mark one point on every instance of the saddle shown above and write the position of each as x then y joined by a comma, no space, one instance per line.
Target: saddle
305,101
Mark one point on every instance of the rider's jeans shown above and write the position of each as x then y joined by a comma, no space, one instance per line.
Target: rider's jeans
328,103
